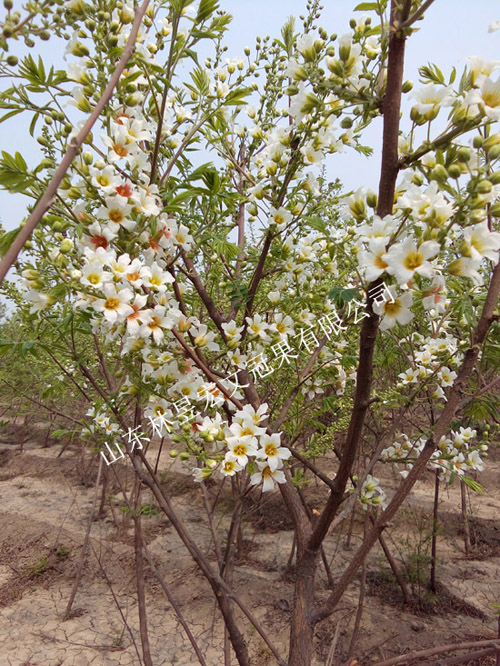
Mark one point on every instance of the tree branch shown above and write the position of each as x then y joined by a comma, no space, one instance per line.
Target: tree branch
389,172
47,198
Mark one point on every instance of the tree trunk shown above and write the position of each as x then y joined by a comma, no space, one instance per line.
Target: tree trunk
302,629
434,534
465,519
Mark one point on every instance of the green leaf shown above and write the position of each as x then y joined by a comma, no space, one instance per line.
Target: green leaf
206,9
57,434
27,347
10,114
366,7
473,485
236,97
432,73
342,296
201,80
14,175
7,239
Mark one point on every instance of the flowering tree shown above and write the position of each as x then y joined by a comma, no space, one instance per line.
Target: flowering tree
196,277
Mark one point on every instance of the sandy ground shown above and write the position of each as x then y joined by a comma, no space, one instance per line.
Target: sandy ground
46,502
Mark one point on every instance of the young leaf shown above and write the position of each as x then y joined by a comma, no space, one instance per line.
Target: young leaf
473,485
7,239
206,9
366,7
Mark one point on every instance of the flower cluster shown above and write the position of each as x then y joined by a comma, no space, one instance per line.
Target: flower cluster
454,456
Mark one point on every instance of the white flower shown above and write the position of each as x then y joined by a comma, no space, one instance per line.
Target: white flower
431,97
105,179
115,305
482,241
280,217
487,97
434,297
93,274
239,448
370,261
474,461
257,326
38,300
155,277
395,312
115,213
410,376
271,451
248,414
205,338
267,476
134,319
466,267
404,259
283,326
233,332
230,467
447,376
155,323
493,27
246,429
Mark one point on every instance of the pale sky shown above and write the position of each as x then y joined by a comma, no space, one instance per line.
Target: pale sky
451,30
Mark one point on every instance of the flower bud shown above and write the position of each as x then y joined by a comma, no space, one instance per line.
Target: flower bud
439,173
495,209
66,246
407,86
484,186
454,171
491,141
74,192
463,154
494,153
478,216
477,142
173,453
415,115
184,455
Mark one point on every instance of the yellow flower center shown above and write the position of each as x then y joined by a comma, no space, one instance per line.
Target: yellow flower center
93,278
240,450
392,309
155,322
115,215
271,449
413,260
112,303
491,97
380,263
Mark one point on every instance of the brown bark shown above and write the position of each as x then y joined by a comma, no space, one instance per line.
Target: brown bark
141,593
435,524
389,172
